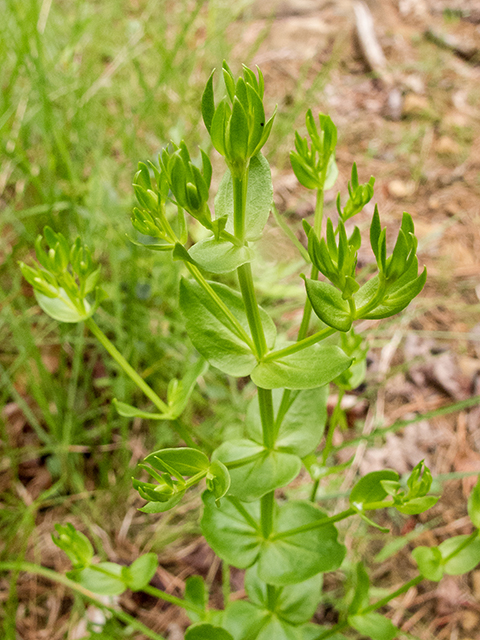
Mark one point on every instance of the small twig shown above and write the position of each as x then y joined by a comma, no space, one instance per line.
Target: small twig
369,45
466,50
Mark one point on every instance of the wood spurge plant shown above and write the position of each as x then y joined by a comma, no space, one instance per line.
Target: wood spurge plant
285,545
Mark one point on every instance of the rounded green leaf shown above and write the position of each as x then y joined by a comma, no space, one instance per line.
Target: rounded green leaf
140,572
429,561
232,530
312,367
234,533
300,556
212,333
183,460
278,629
302,425
94,579
205,631
220,256
418,505
463,561
369,488
267,470
328,304
373,625
244,620
295,603
61,308
258,201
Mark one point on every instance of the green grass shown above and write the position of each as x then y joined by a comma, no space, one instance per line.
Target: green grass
88,89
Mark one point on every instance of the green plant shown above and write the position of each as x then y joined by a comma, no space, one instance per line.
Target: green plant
284,545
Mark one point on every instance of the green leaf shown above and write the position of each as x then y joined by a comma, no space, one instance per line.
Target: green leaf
268,470
465,560
220,256
232,530
278,629
219,125
303,172
294,603
258,201
238,130
208,103
429,561
417,505
399,294
128,411
234,534
354,375
244,620
373,625
369,488
183,460
185,387
205,631
331,174
62,308
93,578
328,304
312,367
301,425
161,507
300,556
140,572
196,594
74,543
218,479
212,333
474,505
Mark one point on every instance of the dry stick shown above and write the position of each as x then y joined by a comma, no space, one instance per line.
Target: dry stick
369,45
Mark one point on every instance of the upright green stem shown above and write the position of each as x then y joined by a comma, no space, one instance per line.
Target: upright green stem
267,505
266,414
245,279
239,203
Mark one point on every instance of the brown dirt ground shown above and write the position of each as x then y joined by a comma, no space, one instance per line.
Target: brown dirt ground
416,127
